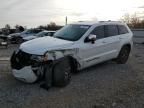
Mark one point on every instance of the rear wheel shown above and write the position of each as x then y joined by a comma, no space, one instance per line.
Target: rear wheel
62,72
123,55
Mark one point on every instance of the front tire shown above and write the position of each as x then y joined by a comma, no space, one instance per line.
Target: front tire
123,55
62,73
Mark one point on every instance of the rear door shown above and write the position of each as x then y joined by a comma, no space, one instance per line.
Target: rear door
123,32
111,41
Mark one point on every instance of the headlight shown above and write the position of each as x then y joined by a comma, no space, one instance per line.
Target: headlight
39,58
53,55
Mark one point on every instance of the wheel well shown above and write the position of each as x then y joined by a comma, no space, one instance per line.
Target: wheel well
74,64
127,45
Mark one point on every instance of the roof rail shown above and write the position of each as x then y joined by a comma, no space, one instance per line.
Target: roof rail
84,21
110,21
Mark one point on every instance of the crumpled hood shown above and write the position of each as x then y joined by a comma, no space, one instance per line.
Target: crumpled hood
39,46
29,37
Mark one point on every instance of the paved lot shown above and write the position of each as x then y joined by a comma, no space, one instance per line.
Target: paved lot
107,85
6,52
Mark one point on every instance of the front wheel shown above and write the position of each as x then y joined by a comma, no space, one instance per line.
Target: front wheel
123,55
62,72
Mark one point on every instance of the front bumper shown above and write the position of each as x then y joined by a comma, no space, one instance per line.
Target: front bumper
25,74
24,69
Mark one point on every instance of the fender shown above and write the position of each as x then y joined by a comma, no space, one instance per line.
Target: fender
57,55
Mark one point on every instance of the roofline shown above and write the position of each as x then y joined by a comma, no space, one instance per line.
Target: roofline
97,22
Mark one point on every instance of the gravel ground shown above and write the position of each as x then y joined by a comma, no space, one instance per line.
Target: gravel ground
107,85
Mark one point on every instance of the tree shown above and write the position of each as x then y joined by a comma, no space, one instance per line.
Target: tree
142,23
126,18
133,21
19,28
51,26
7,26
6,30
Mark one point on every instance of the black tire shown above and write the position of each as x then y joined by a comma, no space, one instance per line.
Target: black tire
123,55
47,77
62,73
19,40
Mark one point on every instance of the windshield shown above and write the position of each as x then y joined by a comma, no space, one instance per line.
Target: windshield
41,34
26,32
72,32
29,31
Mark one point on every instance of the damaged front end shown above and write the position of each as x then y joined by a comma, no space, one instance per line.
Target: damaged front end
27,67
30,68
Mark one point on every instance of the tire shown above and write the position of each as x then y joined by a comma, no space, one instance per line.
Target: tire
48,77
19,40
123,55
62,73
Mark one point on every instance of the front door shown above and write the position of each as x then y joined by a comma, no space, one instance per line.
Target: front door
92,53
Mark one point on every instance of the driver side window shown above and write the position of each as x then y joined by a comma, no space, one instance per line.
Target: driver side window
99,32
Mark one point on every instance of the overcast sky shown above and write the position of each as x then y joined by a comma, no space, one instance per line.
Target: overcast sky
32,13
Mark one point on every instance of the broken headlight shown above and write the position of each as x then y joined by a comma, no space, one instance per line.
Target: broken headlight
38,58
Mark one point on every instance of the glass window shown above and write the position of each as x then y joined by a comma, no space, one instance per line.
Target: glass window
72,32
52,33
122,29
111,30
49,34
99,32
36,31
40,34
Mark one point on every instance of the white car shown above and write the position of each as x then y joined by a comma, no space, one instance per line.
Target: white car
72,48
41,34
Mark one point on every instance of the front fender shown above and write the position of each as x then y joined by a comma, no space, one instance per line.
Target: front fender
57,54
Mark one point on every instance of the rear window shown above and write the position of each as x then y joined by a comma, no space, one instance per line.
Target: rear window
111,30
122,29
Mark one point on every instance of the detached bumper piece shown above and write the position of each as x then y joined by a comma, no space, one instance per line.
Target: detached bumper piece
22,67
25,74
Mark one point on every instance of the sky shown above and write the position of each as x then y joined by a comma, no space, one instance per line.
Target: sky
32,13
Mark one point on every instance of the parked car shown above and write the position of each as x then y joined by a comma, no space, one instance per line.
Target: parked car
40,34
74,47
18,37
3,40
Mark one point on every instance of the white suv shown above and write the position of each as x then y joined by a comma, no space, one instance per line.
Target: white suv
72,48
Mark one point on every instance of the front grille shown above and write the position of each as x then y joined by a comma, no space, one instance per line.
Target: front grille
20,59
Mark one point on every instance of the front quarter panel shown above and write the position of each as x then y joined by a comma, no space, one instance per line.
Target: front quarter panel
58,54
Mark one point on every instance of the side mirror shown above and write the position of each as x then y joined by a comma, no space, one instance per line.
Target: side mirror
91,38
